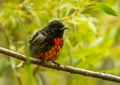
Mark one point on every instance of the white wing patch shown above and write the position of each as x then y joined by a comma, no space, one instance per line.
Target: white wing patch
39,38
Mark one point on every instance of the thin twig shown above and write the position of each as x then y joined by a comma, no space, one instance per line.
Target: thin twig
70,69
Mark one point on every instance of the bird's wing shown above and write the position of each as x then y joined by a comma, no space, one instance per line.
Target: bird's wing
37,38
39,43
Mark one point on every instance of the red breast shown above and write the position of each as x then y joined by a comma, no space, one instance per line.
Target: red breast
54,52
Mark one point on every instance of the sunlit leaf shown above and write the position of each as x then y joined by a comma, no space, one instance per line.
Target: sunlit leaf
91,9
67,9
92,25
96,42
107,9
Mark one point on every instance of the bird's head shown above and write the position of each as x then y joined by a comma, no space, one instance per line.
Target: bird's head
57,28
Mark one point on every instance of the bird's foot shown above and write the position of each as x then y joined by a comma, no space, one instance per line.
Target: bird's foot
57,64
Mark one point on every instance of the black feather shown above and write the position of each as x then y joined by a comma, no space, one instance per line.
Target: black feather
43,40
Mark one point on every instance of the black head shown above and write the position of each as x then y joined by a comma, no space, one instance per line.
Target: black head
57,28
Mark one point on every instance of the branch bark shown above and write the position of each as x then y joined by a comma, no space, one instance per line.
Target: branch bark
70,69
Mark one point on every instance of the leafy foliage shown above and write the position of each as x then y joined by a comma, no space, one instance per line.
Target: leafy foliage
91,42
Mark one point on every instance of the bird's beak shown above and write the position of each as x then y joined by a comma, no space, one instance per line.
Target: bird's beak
64,28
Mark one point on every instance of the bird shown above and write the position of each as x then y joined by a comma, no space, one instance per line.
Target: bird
47,43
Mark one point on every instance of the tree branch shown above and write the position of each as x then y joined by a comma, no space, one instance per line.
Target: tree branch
70,69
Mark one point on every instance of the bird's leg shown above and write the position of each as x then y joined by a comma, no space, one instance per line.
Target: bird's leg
42,62
57,64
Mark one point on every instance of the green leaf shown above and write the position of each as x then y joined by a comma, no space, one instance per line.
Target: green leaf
107,9
3,67
92,25
102,7
96,43
117,37
67,9
91,9
77,61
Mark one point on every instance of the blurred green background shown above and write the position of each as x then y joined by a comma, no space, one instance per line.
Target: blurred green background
92,41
